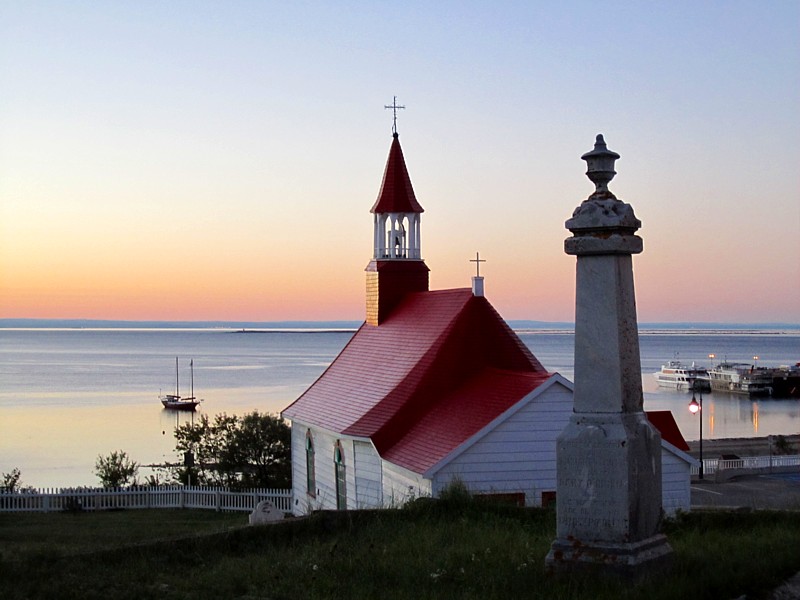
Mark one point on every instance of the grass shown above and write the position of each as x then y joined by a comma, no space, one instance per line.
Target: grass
26,536
429,550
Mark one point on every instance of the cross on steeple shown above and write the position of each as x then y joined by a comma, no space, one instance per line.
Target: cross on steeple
394,106
477,260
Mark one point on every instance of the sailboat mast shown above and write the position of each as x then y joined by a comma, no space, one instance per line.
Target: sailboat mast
177,381
191,366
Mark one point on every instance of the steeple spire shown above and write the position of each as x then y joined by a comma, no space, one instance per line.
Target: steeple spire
397,212
397,267
396,193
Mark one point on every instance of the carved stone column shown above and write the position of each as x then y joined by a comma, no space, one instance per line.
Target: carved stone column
609,456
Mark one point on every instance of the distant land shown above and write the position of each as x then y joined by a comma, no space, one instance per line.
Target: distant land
352,325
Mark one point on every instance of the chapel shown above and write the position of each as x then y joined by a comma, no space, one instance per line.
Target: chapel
434,386
426,389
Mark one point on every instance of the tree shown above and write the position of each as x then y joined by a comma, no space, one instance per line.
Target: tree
249,451
116,469
11,481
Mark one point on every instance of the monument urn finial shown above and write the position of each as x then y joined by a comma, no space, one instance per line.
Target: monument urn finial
602,224
600,165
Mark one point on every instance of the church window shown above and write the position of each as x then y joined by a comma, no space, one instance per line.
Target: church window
311,477
341,477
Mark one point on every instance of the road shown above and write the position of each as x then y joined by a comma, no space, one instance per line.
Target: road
777,491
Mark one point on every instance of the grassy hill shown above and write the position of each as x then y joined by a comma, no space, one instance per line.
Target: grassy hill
448,549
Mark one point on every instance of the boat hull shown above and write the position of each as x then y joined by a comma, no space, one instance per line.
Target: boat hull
786,383
732,388
179,404
176,401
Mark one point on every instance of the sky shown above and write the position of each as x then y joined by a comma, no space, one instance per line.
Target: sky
218,160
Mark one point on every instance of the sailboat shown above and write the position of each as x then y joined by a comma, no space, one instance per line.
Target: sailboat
175,401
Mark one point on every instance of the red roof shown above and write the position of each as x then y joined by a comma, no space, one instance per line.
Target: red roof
396,195
665,423
441,367
460,415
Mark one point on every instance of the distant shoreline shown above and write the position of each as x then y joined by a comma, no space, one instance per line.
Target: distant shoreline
685,328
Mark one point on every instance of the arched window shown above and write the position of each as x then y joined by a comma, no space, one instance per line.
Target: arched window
311,476
341,476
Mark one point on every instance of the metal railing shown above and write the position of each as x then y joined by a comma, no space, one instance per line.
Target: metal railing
137,497
760,463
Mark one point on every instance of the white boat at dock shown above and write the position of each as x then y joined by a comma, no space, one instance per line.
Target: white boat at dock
741,378
677,376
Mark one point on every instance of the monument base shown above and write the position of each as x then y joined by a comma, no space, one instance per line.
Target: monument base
632,560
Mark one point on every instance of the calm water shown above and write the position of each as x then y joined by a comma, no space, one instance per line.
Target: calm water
67,396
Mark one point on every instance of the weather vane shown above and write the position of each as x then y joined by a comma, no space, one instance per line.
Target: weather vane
477,260
394,106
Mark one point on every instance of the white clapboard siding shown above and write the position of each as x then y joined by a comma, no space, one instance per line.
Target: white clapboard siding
401,485
299,486
305,502
368,475
675,480
325,469
324,496
516,453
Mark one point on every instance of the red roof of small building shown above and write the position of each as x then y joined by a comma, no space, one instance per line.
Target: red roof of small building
665,423
396,195
439,369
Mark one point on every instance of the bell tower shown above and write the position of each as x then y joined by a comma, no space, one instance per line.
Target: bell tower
396,267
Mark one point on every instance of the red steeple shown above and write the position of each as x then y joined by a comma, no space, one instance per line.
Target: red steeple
397,267
396,195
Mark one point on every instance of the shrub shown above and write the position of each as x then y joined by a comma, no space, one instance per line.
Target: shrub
11,481
116,469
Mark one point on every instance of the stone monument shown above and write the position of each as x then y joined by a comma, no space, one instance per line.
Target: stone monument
608,489
265,512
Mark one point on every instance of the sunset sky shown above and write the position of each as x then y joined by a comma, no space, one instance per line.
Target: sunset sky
218,160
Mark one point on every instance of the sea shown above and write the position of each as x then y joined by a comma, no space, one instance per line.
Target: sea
69,395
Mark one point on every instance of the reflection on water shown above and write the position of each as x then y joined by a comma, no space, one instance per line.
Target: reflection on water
726,415
68,396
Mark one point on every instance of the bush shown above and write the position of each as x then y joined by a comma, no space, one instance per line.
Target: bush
456,494
11,481
116,469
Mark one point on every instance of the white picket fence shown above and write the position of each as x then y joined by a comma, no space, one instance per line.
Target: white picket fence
758,463
210,498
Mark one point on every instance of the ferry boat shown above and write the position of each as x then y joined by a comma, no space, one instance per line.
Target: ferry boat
678,376
741,378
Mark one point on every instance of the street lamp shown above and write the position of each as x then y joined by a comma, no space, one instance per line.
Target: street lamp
694,408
